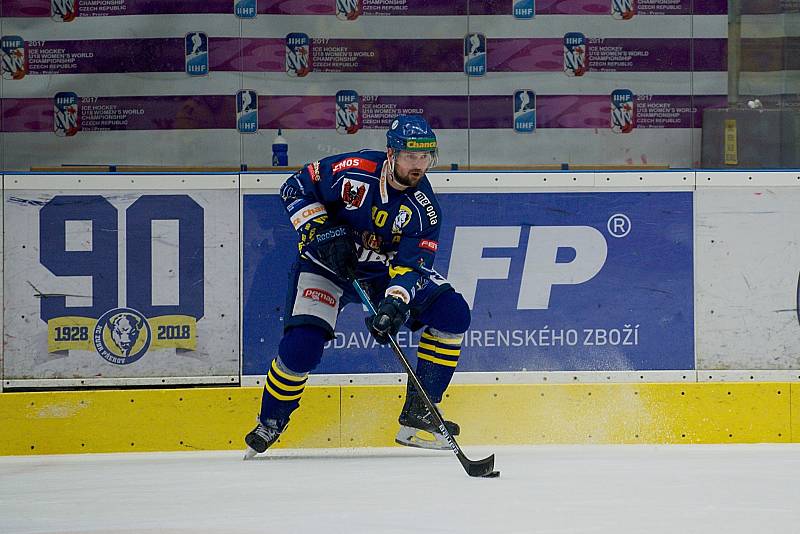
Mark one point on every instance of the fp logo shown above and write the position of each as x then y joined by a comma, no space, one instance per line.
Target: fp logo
541,270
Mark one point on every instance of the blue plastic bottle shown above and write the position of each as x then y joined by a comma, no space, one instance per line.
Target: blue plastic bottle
280,151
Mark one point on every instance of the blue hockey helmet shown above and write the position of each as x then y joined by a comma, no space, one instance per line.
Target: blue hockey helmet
411,132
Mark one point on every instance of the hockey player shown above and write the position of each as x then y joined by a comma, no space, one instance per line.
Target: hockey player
370,215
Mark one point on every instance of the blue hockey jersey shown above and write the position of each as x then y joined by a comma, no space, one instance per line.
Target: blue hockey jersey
394,231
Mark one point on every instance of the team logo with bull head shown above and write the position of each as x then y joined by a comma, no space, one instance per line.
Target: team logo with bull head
122,336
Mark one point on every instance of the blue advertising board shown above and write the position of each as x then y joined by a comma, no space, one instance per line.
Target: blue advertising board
555,281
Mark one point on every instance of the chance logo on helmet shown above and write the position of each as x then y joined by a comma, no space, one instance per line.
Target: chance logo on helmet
413,133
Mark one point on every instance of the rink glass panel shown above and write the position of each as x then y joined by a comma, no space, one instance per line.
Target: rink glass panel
513,83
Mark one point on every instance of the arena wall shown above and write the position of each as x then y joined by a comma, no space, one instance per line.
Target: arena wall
696,270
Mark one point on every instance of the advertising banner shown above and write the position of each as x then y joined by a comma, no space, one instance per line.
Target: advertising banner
555,281
120,283
350,10
345,113
298,55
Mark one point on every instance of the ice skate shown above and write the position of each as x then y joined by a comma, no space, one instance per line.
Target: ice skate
417,427
261,438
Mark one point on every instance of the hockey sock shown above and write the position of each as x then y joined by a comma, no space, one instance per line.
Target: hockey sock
282,391
437,357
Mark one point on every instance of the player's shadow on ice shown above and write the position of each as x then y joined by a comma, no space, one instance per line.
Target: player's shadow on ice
348,454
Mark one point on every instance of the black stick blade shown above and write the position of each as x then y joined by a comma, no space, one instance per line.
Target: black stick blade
480,468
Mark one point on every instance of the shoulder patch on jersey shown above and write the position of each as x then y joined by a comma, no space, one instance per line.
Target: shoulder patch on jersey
353,193
426,204
429,244
354,163
313,171
311,211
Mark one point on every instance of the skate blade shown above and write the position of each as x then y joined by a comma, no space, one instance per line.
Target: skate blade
414,437
249,454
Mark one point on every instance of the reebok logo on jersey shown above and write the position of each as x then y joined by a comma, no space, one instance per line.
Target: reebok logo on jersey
320,295
355,163
353,193
427,244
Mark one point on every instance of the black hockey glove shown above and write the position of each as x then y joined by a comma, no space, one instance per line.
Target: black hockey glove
391,314
333,247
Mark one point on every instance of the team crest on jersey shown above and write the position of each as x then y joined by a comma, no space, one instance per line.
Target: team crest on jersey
623,9
348,9
623,111
475,54
371,241
122,336
576,58
63,10
66,114
245,9
298,55
247,111
14,58
196,50
524,111
524,9
348,112
402,219
353,193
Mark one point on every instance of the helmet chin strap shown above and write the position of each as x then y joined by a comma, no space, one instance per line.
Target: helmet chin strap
390,161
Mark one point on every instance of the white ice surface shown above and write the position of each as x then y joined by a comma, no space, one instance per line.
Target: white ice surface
544,489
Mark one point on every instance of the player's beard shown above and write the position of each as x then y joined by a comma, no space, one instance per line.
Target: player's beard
411,178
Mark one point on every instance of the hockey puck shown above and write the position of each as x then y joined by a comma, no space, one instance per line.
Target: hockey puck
493,474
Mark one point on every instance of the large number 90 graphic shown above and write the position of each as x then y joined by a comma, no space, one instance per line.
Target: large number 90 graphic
101,262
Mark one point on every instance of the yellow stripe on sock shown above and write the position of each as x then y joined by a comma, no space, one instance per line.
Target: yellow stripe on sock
426,346
282,385
286,376
280,396
439,361
449,352
444,340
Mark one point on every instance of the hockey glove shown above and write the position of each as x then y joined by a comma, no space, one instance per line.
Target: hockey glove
391,314
333,247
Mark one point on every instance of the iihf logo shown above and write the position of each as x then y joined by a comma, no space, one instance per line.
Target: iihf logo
245,9
196,50
524,9
63,10
348,9
298,55
122,336
66,114
623,111
475,54
576,59
14,60
524,111
247,111
623,9
348,112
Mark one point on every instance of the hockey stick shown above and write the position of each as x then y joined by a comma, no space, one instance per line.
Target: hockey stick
479,468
